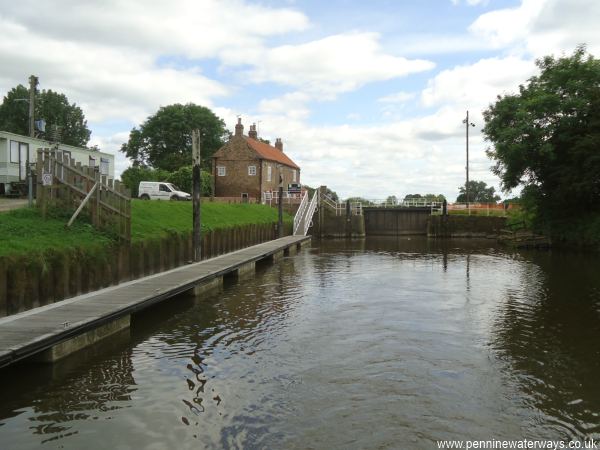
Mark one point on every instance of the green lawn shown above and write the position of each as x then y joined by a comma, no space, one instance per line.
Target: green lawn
23,231
156,218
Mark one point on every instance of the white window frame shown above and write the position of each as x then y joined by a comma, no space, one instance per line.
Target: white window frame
269,173
251,171
294,176
221,171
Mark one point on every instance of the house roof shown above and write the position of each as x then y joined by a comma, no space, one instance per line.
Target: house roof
269,152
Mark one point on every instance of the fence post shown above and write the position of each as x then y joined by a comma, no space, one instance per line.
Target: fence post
41,198
97,199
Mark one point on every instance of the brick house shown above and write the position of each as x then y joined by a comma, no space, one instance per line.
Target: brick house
247,168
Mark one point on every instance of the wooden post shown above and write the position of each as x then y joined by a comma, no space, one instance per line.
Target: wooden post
40,188
97,199
196,194
280,207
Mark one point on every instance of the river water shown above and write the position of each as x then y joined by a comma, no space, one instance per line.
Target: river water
380,343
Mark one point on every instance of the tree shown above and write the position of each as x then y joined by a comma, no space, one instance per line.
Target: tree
182,178
546,136
362,201
391,200
132,176
55,109
164,140
51,106
479,192
426,197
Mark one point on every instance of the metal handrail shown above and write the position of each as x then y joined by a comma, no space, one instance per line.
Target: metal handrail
309,214
300,213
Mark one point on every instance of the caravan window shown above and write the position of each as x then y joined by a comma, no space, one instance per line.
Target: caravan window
14,152
104,164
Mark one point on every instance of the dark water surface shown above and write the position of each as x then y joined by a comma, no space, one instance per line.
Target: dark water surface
382,343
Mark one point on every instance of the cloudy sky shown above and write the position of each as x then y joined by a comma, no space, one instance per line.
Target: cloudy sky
368,97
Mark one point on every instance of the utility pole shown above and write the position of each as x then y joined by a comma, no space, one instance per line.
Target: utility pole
33,82
196,237
467,125
280,205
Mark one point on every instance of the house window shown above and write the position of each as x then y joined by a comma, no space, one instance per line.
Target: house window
294,175
269,173
104,164
92,162
221,171
252,170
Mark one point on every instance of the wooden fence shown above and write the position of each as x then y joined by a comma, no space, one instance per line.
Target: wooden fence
66,184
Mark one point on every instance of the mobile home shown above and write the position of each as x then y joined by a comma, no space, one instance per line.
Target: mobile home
16,150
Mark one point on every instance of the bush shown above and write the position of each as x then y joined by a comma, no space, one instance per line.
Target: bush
182,178
132,176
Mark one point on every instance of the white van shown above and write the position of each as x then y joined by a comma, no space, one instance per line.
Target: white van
159,190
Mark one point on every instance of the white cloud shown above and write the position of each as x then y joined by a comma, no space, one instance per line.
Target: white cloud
476,85
329,66
397,97
542,27
425,154
471,2
293,105
194,28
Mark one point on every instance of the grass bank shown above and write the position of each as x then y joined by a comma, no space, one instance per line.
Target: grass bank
24,232
154,219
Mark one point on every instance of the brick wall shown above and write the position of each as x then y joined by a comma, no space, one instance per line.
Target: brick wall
273,185
235,156
237,181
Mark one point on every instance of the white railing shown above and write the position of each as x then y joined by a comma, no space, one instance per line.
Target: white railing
340,208
435,206
300,213
272,198
310,212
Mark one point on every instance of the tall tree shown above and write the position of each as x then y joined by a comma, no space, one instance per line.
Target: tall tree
479,192
51,106
427,197
164,140
546,136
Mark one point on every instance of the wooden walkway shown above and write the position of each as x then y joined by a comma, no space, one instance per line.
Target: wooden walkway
31,332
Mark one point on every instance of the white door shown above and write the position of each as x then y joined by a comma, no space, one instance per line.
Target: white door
164,193
23,154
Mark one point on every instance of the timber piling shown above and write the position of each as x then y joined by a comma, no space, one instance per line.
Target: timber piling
51,332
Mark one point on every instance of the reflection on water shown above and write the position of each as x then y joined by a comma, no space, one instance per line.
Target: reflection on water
380,343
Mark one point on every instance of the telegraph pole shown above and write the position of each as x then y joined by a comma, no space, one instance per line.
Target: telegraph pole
33,82
196,237
467,125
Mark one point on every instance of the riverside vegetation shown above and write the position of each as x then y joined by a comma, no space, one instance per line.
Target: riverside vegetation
41,262
26,233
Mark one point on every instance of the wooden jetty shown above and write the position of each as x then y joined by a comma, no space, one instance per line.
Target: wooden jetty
50,332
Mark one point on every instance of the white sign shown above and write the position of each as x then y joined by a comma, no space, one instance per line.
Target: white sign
47,179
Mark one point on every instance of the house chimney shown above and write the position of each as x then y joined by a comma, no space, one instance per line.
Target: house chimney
239,128
252,133
279,144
